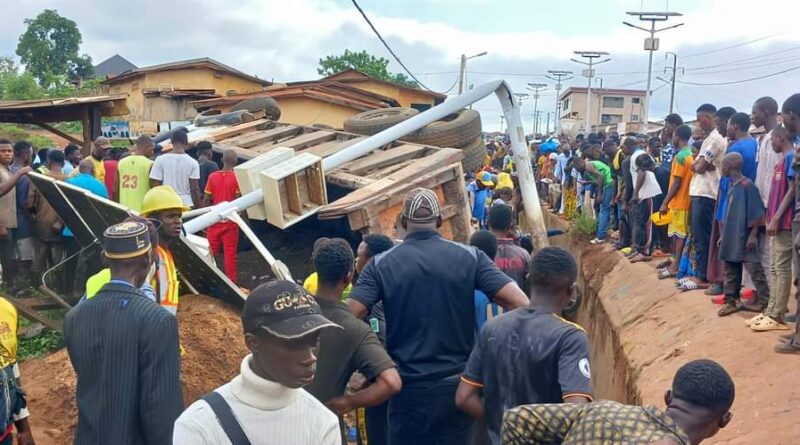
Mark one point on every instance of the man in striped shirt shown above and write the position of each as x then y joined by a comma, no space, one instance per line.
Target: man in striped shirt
125,352
530,355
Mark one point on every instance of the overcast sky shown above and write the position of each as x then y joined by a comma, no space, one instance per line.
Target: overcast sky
721,41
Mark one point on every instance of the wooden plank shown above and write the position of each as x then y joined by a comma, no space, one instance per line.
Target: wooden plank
250,140
227,132
386,171
389,198
316,185
58,132
358,198
379,159
32,315
328,148
348,180
293,194
455,193
309,139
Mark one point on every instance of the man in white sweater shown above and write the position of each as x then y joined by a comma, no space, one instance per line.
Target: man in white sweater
265,403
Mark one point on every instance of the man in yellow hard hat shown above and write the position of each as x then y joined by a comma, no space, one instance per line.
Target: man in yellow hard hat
163,204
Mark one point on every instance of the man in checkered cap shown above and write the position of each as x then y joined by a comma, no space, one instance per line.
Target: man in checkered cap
427,286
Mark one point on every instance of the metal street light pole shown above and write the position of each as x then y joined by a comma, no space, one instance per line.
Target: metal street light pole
536,88
651,45
589,73
462,71
559,76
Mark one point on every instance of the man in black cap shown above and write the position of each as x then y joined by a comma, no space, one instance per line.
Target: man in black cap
124,348
427,285
265,404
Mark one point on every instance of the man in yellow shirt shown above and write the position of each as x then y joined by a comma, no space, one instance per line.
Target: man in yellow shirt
133,174
99,152
15,413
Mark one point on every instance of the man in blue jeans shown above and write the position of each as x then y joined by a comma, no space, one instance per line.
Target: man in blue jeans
703,192
645,188
600,175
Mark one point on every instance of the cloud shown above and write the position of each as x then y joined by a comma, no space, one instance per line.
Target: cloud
283,40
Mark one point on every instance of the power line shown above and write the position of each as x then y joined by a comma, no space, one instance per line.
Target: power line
747,61
388,47
751,66
738,45
741,80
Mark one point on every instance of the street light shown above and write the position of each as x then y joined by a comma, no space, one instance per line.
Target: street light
462,71
558,76
536,88
589,73
651,44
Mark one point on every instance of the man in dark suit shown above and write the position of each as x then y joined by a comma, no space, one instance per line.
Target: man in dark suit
124,348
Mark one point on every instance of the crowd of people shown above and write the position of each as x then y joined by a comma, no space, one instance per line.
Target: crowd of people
421,351
33,238
717,202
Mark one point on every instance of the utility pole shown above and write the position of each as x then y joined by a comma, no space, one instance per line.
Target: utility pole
558,76
672,81
651,45
462,71
502,120
589,73
547,127
536,88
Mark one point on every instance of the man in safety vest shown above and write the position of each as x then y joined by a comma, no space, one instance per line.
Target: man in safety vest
13,404
163,204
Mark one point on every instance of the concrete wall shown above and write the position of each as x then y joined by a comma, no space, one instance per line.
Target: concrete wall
307,111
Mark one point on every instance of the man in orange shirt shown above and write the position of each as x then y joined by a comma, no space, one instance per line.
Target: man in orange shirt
678,201
224,235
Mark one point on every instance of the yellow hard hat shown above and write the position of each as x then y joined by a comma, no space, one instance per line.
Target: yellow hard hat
661,219
162,197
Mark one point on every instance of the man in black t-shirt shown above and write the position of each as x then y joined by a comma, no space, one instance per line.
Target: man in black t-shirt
355,348
207,164
427,285
625,192
530,355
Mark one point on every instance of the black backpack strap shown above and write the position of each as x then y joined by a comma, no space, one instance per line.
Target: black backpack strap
226,418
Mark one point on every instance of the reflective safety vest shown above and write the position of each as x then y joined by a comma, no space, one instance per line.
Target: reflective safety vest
165,282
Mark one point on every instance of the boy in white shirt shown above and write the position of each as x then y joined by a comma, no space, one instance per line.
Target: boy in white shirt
266,404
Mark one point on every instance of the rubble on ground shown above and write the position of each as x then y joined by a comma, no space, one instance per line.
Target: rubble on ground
211,335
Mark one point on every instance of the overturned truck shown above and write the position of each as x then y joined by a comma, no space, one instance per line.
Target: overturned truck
315,180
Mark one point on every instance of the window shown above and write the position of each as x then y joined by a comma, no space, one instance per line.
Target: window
565,104
613,102
634,118
636,100
610,118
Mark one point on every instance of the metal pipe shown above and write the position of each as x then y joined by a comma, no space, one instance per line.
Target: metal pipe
521,157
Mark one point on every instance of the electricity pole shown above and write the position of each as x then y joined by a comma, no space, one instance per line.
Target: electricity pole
589,73
502,120
672,81
547,126
558,76
462,71
651,45
536,88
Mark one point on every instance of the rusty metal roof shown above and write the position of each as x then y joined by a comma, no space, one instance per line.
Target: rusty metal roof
61,109
203,62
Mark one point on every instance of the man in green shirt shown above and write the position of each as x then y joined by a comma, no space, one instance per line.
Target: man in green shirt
698,405
600,175
133,174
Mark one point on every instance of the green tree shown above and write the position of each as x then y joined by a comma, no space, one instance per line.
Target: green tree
377,67
50,47
21,87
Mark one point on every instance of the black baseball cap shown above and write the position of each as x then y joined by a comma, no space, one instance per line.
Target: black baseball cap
283,309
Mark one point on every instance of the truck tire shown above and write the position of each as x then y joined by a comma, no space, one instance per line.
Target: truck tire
474,154
374,121
255,104
455,130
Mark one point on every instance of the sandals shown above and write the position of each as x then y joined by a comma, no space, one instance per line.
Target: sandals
681,281
753,320
768,324
664,273
715,289
640,258
690,285
728,309
664,264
